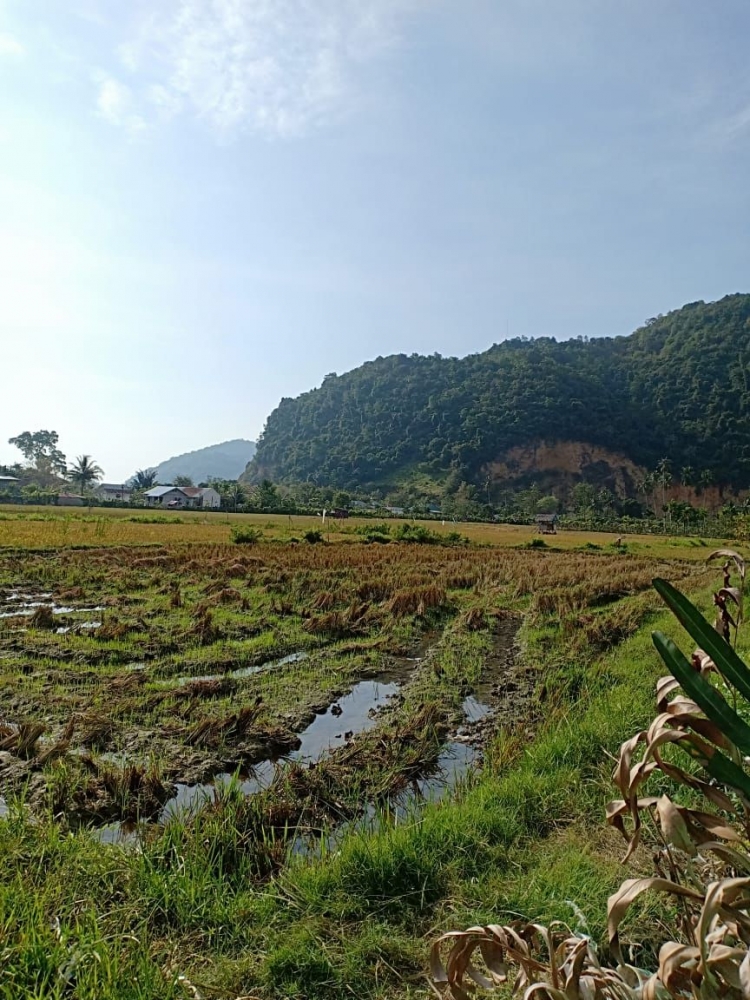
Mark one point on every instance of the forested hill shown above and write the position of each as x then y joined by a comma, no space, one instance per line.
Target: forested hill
217,461
676,388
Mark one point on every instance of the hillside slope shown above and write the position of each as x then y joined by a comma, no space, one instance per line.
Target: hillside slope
218,461
676,388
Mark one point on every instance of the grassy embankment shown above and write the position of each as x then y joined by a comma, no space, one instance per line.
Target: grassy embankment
218,897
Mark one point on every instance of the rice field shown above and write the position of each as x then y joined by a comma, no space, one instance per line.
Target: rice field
269,770
51,527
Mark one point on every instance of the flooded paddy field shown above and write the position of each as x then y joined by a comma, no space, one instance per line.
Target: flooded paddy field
253,707
128,676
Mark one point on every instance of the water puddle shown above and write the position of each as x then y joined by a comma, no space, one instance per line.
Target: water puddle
454,763
72,628
248,671
116,833
192,797
24,605
475,710
354,713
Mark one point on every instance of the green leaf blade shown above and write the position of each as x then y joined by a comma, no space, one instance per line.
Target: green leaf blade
708,699
728,662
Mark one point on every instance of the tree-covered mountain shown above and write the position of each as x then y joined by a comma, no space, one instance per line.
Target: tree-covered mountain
218,461
676,388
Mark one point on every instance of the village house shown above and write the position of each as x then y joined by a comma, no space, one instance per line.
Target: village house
70,500
176,497
113,493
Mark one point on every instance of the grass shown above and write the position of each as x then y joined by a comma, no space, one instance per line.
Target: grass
49,528
237,897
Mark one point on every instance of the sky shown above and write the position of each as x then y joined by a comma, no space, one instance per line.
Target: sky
208,205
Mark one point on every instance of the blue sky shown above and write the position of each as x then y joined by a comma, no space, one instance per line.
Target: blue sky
206,205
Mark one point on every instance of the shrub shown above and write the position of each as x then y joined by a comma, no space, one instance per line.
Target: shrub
246,536
313,536
415,533
536,543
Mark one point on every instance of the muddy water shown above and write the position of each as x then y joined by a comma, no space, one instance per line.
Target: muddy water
474,709
248,671
190,797
357,714
18,605
332,728
81,625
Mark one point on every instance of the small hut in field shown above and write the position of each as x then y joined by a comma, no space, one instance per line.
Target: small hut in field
546,523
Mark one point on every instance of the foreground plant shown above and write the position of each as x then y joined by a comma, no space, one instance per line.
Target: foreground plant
703,854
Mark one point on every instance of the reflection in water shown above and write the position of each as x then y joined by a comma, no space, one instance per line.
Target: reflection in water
354,717
475,710
355,713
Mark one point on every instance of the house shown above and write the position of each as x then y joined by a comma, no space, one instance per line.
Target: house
113,493
396,511
176,497
9,482
546,523
70,500
203,496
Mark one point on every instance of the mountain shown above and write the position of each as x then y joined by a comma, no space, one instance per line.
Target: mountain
217,461
601,409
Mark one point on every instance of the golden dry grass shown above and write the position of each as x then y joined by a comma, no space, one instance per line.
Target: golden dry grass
49,527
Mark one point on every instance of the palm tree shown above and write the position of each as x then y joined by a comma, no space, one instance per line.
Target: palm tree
84,472
144,479
664,478
234,494
687,475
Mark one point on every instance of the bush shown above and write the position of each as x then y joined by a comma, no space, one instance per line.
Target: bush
375,532
456,538
246,536
313,536
535,543
416,533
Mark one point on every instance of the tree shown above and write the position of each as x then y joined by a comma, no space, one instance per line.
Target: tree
664,478
233,494
144,479
266,495
182,481
84,472
42,455
547,505
687,475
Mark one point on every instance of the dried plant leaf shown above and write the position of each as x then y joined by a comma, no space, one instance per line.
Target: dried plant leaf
736,558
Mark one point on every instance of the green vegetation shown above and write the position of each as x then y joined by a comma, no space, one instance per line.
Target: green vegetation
84,473
328,879
695,748
245,535
676,387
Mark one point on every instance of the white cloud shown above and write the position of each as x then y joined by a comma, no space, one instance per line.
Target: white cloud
10,45
115,103
277,67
